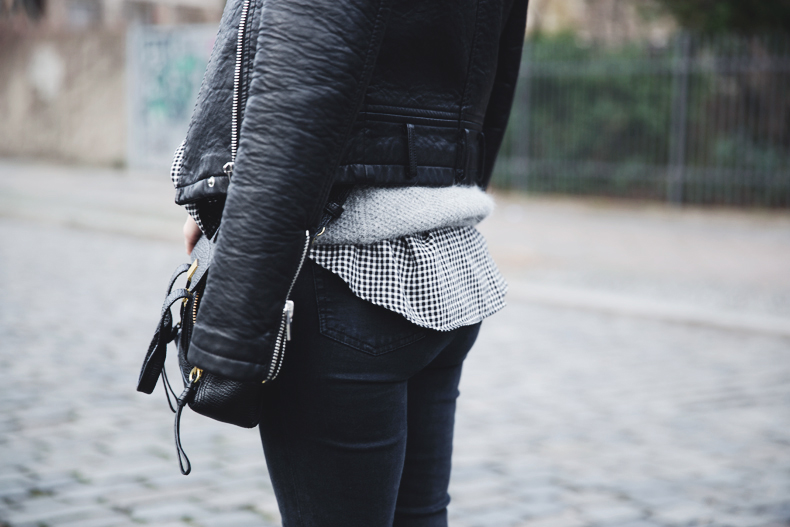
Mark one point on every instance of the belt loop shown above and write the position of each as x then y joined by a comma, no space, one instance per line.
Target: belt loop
411,168
462,156
481,157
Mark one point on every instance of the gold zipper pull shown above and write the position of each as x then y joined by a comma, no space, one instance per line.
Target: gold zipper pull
191,272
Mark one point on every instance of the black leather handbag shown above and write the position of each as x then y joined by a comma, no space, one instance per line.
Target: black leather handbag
225,400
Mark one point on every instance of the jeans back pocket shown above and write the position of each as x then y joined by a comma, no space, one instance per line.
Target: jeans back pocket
357,323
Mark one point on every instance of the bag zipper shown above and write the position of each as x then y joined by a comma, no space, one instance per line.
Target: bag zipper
234,123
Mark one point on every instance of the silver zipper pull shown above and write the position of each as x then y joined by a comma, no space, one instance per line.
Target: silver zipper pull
228,168
288,311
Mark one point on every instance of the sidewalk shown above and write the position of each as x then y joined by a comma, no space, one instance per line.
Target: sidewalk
639,377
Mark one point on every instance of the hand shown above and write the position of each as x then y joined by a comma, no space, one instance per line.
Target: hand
191,234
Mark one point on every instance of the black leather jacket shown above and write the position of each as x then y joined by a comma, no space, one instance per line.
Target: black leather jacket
373,92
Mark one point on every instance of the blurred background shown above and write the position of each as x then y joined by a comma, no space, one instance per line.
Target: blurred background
639,377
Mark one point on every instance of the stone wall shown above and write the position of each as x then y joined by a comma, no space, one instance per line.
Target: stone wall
63,97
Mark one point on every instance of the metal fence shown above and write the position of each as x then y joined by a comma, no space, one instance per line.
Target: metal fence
701,120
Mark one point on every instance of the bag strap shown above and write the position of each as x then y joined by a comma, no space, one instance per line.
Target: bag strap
154,361
186,397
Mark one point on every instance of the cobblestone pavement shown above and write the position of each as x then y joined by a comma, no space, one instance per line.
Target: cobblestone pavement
584,402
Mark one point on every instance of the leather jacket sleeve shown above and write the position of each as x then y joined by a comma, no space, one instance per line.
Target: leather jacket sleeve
312,63
511,45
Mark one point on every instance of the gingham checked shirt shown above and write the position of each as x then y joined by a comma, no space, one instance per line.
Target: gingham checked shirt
441,279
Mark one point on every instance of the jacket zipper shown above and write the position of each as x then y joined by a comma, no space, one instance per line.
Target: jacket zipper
234,123
284,333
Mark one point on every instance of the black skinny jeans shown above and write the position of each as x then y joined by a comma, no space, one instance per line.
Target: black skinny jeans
358,428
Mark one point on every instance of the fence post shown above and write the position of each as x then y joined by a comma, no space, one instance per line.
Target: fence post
519,162
681,64
527,114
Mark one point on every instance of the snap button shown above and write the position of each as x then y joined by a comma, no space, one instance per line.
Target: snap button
211,181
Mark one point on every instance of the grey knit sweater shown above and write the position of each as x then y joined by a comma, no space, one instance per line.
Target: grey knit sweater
374,214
